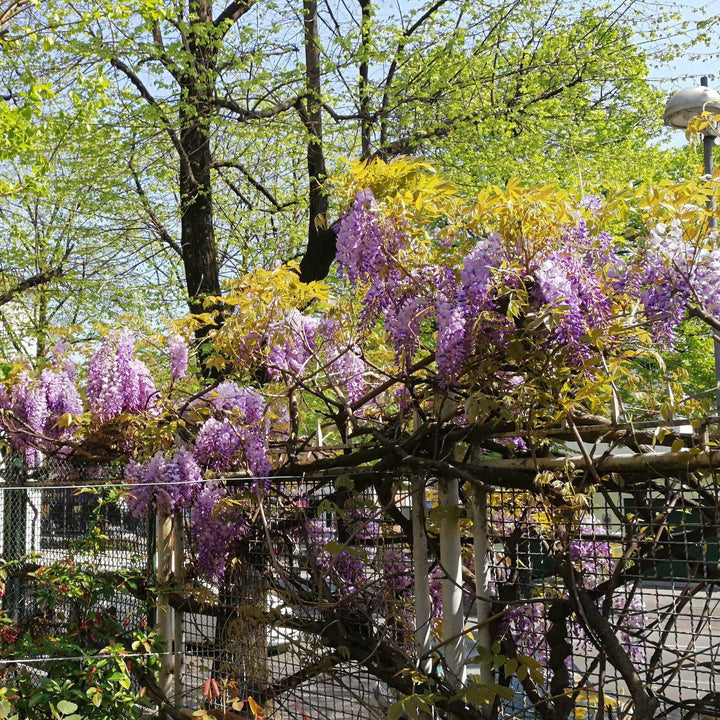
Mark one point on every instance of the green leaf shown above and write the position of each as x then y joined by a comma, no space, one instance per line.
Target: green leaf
36,698
66,707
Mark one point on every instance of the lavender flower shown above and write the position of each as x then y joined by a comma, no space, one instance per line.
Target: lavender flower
117,381
676,272
36,405
178,356
451,350
236,435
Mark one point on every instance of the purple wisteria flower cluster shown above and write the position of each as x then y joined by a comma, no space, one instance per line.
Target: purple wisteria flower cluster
343,568
118,382
370,241
40,416
297,341
178,485
34,407
236,434
570,287
178,350
677,272
167,485
568,280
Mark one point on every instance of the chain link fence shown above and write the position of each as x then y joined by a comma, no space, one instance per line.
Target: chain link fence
649,555
48,515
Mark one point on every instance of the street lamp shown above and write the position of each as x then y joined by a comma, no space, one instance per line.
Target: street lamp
680,109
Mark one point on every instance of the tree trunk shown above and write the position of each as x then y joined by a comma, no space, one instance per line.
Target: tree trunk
202,273
241,642
197,238
364,83
320,252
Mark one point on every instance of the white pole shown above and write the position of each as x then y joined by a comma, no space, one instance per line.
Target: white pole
178,564
709,168
421,574
451,561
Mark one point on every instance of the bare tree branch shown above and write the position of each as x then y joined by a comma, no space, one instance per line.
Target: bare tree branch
255,183
268,112
387,85
410,143
699,313
41,278
233,12
147,96
11,11
236,190
157,224
607,642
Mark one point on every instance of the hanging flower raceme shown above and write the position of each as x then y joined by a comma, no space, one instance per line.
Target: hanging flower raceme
368,241
178,356
676,272
236,434
215,526
41,411
118,382
178,485
291,344
168,485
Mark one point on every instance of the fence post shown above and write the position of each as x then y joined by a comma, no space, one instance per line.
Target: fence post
421,573
483,605
15,532
164,543
179,616
452,593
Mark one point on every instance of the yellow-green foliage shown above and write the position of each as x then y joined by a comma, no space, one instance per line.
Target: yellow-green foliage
405,186
252,304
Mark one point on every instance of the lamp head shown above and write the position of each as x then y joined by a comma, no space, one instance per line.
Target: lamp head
689,103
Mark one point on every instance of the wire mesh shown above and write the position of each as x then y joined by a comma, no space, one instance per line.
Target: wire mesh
647,555
263,636
61,513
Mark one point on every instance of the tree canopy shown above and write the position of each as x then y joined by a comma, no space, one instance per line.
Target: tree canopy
192,141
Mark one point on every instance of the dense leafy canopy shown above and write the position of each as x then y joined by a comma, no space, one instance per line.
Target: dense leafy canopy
109,106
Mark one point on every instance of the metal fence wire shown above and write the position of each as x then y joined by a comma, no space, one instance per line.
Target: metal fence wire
648,556
52,514
660,543
262,636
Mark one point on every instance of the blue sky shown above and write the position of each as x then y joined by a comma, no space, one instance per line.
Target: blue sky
688,67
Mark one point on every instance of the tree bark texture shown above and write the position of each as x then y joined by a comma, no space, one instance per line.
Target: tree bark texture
202,273
320,252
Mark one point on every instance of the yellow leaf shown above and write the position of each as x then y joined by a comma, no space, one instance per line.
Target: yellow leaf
257,711
677,445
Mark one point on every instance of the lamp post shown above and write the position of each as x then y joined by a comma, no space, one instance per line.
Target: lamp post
680,109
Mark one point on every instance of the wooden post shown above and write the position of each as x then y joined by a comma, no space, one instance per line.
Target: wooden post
164,550
452,595
179,629
483,605
421,574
